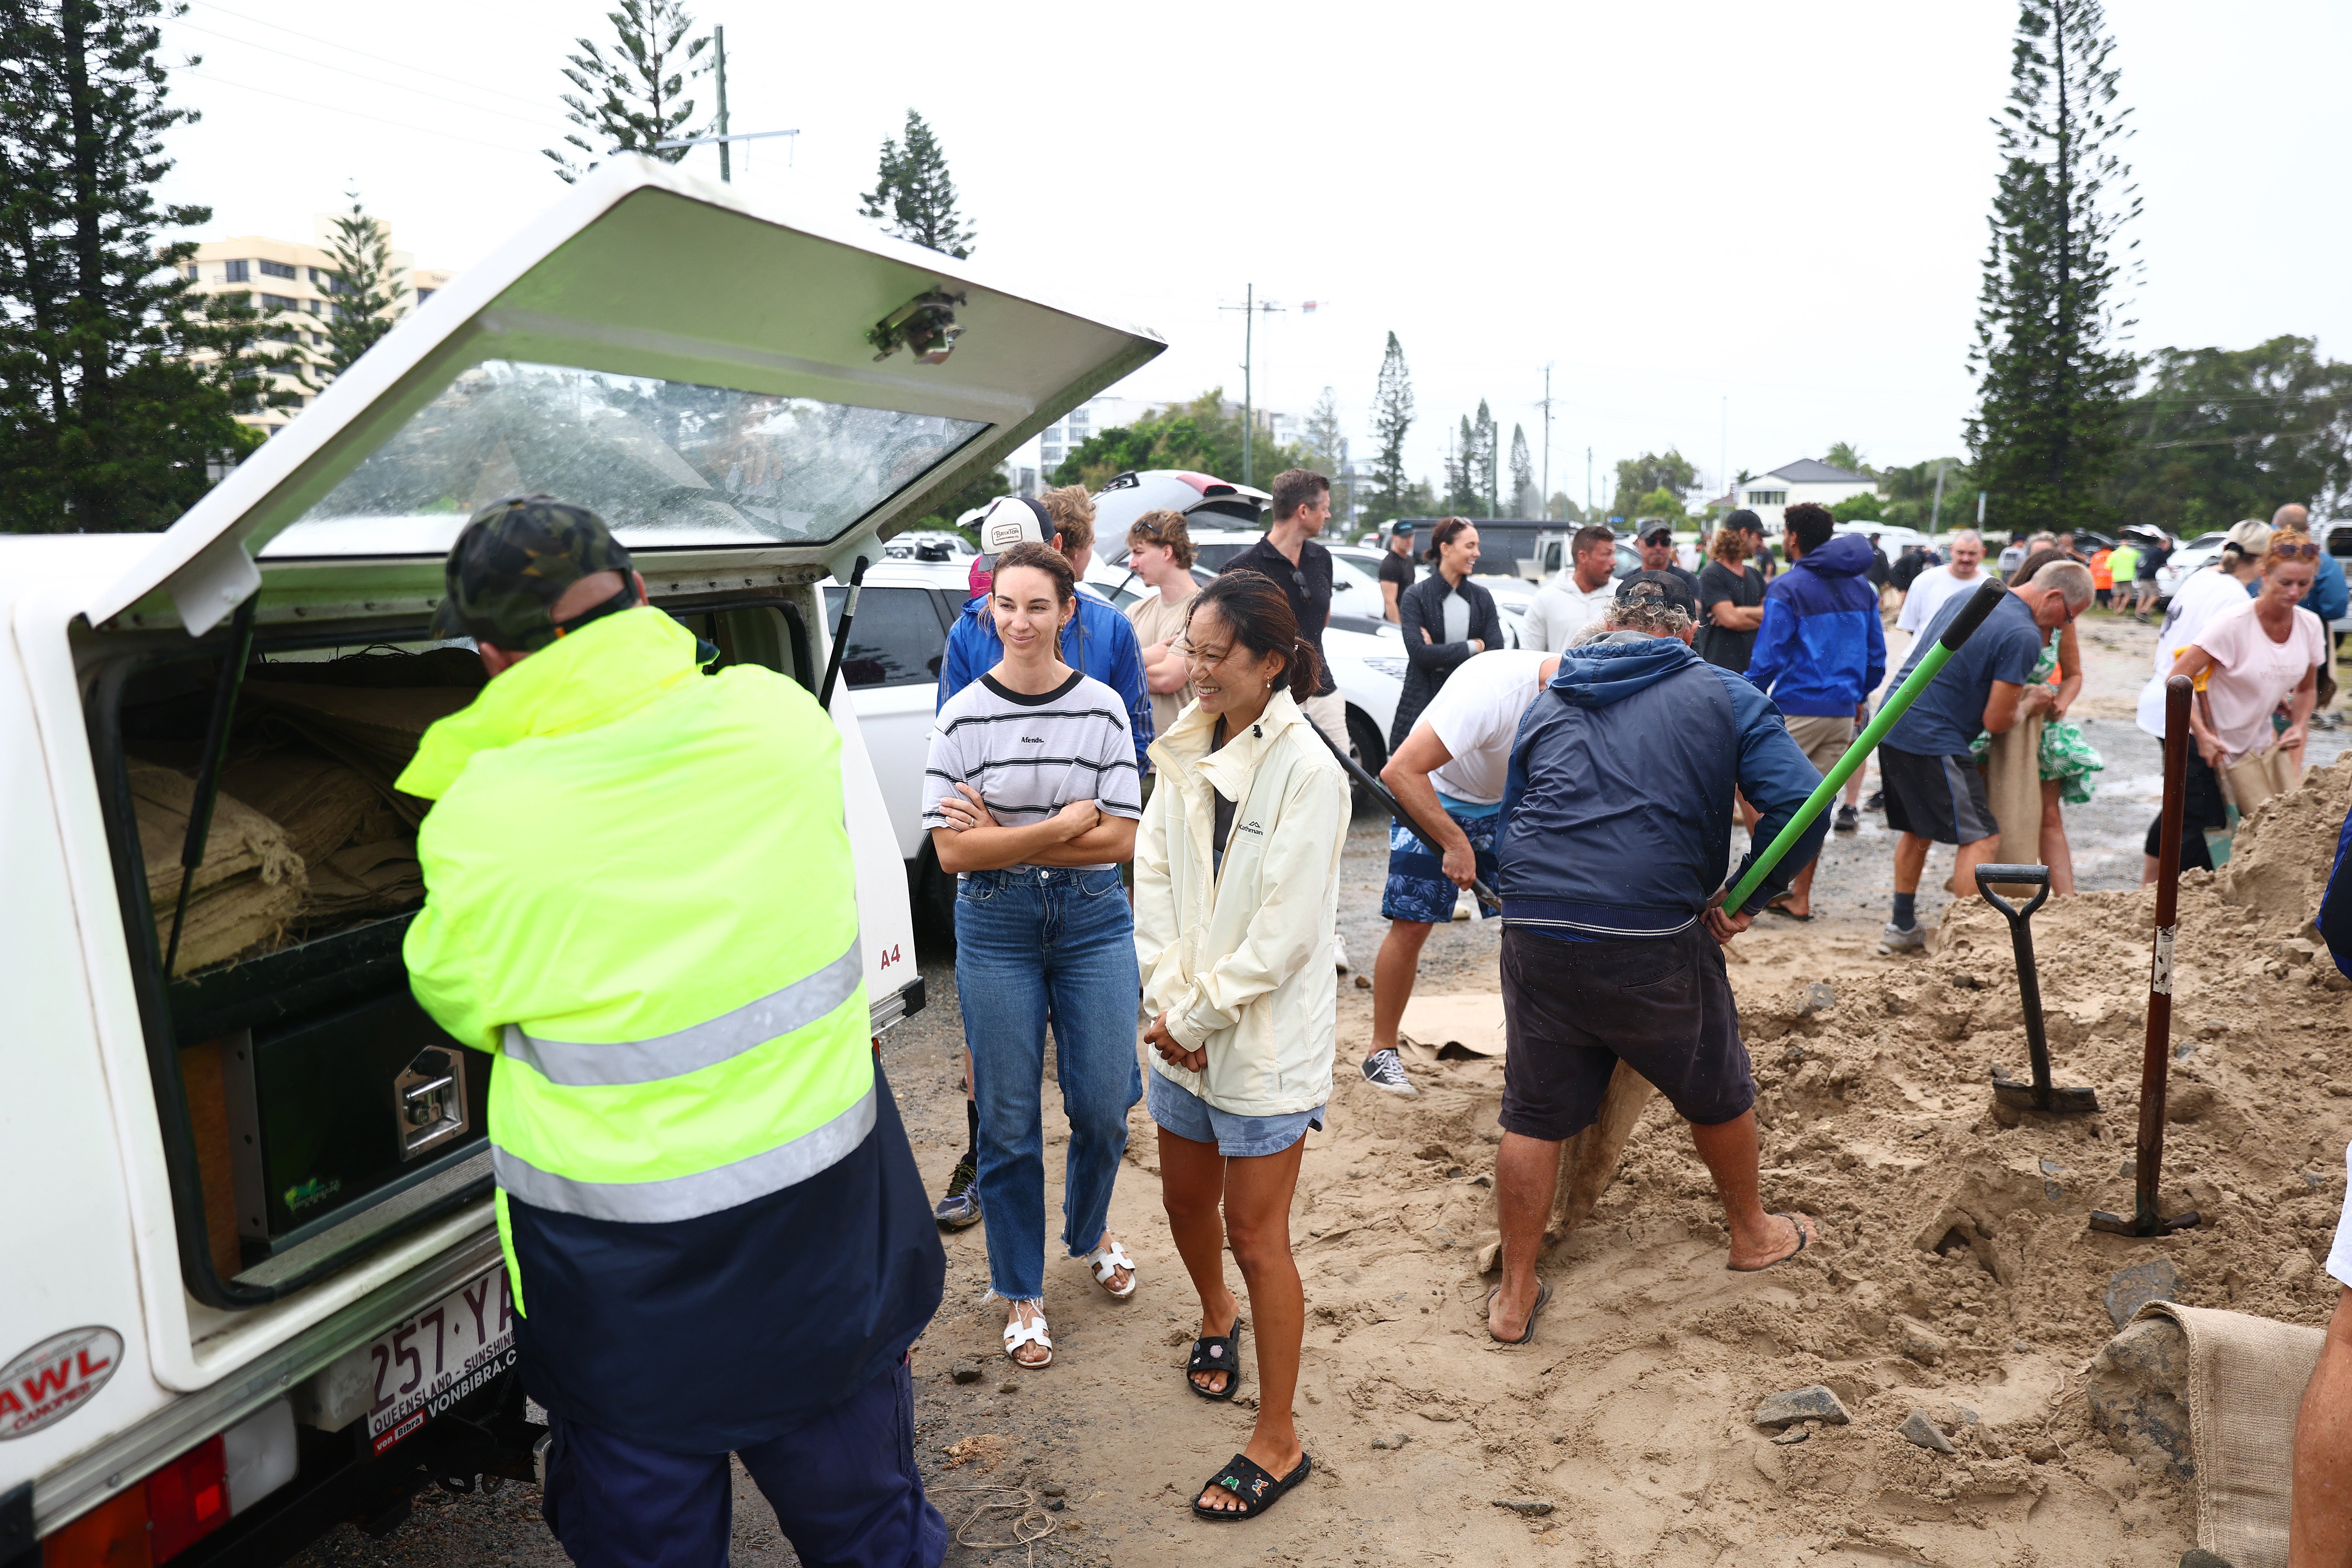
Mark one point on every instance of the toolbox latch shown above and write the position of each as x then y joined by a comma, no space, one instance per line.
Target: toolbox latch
428,1101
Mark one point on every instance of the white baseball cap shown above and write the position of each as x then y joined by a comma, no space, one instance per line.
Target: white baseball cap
1009,521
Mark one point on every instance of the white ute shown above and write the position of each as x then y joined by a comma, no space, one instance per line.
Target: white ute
253,1288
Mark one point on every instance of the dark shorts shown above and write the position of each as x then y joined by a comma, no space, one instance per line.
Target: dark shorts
1418,888
2201,806
1941,798
1573,1010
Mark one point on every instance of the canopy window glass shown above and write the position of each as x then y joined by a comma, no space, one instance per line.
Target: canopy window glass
665,463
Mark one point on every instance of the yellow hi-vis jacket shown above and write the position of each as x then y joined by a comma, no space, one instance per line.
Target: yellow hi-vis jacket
640,894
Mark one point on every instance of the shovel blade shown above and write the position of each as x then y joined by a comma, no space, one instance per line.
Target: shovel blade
2019,1095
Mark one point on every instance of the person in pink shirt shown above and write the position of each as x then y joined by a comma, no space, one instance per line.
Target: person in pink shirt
2255,656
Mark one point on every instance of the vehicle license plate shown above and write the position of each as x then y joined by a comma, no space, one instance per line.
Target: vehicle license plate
439,1356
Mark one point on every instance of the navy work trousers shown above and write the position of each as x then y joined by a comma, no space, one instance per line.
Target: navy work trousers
843,1486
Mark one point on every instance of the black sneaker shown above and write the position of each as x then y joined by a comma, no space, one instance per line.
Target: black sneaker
960,1208
1385,1069
1877,802
1848,820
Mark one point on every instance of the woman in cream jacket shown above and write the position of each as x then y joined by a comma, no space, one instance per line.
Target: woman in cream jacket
1236,901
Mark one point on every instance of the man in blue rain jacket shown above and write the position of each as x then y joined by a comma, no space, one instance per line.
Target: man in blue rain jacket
1616,833
1820,654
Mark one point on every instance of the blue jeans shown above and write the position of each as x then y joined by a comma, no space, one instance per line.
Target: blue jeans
1032,941
844,1489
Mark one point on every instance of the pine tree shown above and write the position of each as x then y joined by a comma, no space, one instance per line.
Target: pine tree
1488,473
2048,420
367,292
1461,470
631,99
1329,446
1524,500
914,196
118,384
1391,418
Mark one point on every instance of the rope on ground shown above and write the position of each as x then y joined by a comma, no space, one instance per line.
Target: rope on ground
1026,1533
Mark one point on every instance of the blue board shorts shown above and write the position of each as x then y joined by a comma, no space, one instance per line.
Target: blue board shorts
1418,887
1188,1116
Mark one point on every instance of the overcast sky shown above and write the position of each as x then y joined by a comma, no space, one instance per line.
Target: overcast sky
1764,221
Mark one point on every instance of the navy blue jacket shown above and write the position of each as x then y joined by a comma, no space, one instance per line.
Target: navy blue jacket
2328,599
1617,807
1821,649
832,1278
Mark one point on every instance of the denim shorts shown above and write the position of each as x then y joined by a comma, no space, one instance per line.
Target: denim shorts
1187,1115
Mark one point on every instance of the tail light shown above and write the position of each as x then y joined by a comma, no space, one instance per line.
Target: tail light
188,1499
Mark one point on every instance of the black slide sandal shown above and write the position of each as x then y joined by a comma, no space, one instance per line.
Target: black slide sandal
1248,1482
1216,1353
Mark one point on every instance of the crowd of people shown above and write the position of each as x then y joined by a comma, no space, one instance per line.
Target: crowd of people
1147,831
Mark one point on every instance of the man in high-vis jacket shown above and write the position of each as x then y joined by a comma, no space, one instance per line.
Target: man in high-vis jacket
640,895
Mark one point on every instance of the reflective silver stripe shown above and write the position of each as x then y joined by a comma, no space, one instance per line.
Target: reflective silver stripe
688,1197
754,1023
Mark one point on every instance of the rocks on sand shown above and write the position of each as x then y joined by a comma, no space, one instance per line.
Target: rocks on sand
1919,1429
2129,1290
1812,1402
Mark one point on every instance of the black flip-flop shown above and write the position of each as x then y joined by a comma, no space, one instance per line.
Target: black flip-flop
1250,1482
1543,1300
1803,1241
1784,911
1216,1353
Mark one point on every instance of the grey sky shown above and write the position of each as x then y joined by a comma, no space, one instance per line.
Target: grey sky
1779,206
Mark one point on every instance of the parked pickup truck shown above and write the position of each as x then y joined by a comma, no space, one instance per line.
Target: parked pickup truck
253,1287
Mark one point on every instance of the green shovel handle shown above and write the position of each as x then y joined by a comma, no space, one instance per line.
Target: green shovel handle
1963,626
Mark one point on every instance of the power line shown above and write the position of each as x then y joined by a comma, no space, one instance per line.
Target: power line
354,113
363,76
348,48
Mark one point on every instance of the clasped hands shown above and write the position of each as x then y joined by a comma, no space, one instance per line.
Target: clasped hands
1174,1055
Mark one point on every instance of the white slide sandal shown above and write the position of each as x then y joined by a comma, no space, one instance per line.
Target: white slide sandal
1031,1332
1107,1261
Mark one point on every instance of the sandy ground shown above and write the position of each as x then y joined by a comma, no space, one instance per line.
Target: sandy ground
1956,1273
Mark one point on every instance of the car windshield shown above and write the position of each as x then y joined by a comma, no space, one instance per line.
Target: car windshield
665,463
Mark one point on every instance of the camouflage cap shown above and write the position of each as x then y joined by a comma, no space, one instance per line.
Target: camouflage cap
514,558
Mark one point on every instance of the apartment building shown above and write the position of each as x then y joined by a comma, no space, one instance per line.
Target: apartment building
289,282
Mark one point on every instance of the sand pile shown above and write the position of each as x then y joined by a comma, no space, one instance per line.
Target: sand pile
1958,1276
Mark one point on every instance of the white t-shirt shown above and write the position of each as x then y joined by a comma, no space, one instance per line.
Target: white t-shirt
2255,674
1559,610
1929,590
2339,1257
1476,715
2205,594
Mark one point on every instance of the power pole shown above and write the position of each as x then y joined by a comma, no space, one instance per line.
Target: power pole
1249,308
1588,484
1937,512
1544,507
719,42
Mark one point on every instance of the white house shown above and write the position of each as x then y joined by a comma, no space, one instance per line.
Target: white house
1768,496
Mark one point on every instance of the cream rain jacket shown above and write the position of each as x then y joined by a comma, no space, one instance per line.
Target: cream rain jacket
1242,961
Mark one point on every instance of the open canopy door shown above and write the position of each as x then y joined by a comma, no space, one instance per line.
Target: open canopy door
723,385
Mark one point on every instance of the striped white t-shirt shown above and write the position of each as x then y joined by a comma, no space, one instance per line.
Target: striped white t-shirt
1030,757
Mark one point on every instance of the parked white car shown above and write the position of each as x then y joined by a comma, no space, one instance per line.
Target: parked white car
253,1280
2198,553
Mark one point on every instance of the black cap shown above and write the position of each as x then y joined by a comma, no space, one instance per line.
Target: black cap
1745,520
1657,588
1402,525
1655,526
